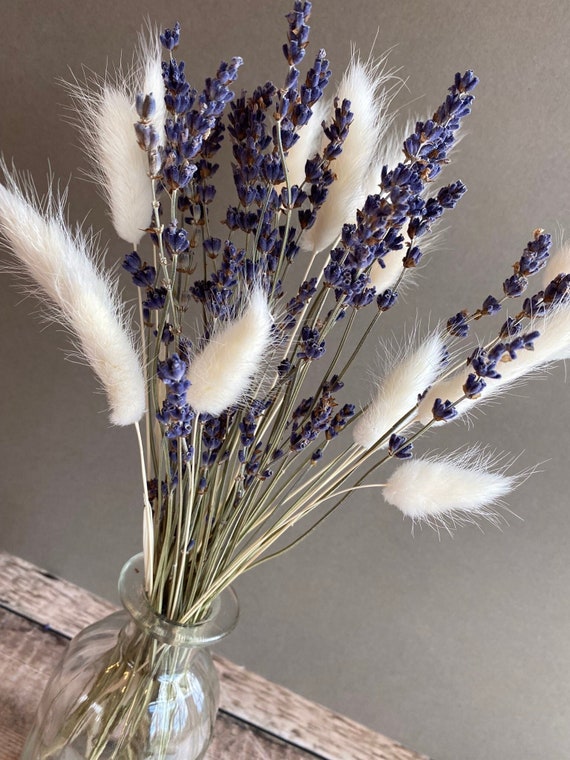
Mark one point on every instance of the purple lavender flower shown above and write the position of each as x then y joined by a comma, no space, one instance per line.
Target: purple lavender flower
386,300
214,431
143,275
176,239
458,325
306,291
557,290
298,34
337,130
310,346
155,298
399,448
535,255
515,285
490,306
179,96
170,38
147,136
175,413
474,386
484,362
340,421
542,303
443,411
521,342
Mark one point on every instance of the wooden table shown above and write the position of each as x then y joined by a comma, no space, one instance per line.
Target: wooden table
258,720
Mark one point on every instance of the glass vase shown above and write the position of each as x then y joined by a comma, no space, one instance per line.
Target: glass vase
134,685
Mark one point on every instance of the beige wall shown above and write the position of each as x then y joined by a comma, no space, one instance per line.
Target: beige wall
457,647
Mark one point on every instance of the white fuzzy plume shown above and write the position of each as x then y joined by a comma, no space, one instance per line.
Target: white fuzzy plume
63,265
397,394
223,372
390,153
364,84
457,488
384,277
558,263
123,164
149,81
552,345
106,115
308,144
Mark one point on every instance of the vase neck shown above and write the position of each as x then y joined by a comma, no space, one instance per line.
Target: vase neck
221,620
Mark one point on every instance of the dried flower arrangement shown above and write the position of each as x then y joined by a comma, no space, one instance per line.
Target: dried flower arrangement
229,441
235,449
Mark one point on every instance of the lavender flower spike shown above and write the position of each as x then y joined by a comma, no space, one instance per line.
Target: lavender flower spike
363,85
63,266
514,362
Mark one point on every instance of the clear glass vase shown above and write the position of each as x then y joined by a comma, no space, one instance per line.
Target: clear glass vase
134,685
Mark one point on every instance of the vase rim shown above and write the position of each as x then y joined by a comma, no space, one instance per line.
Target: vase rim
221,621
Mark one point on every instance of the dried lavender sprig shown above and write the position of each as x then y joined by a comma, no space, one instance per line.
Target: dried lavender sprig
412,257
520,356
298,33
365,88
354,283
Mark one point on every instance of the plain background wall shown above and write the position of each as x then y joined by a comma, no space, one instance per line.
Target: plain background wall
459,646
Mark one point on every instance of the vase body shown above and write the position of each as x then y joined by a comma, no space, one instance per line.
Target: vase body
133,686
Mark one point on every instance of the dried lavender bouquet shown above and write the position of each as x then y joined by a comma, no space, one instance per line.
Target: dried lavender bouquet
235,440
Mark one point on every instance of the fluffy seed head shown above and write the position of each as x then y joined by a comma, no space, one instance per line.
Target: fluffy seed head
410,374
223,372
458,488
364,84
63,266
123,164
149,77
105,114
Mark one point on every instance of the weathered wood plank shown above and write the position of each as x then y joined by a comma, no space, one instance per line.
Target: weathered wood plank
51,601
302,722
234,740
67,608
27,655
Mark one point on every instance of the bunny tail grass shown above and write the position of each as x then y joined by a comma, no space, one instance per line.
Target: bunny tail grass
63,266
411,373
105,114
364,85
462,487
222,373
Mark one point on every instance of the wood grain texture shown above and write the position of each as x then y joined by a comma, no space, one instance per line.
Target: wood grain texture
65,608
27,655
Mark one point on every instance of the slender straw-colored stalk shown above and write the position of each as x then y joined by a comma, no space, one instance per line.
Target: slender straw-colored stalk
148,523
